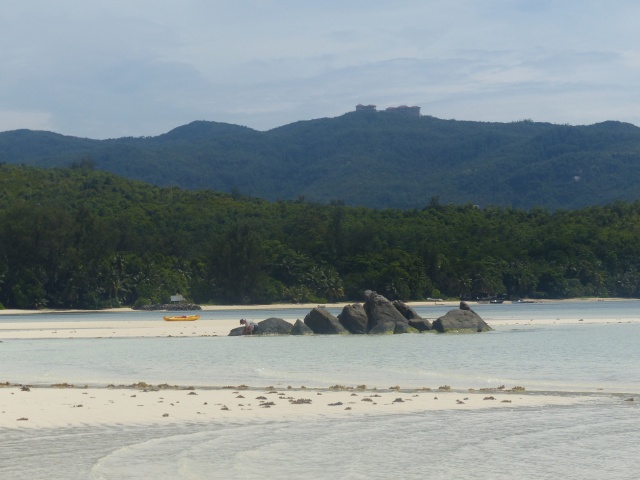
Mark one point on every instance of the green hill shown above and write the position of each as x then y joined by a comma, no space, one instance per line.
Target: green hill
377,160
79,238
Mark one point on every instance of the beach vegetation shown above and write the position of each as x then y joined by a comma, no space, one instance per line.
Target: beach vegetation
81,238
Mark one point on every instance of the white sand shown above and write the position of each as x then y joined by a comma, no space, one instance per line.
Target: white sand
208,327
116,329
61,407
42,407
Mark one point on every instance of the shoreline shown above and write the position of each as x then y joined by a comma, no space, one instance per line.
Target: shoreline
287,306
88,329
59,406
88,324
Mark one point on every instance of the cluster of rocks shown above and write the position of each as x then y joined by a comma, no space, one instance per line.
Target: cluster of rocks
170,307
378,316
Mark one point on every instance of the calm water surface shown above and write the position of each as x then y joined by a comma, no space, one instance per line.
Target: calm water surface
596,440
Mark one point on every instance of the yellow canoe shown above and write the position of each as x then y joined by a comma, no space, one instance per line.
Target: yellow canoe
182,318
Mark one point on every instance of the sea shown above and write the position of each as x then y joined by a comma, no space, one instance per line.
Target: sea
530,346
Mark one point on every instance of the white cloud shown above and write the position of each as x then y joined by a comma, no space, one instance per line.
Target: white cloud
104,69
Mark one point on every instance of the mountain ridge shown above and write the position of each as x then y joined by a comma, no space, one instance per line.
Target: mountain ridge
379,160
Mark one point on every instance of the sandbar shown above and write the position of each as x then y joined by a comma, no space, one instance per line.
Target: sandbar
209,327
64,405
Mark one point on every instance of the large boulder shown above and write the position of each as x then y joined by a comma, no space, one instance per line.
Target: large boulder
322,322
274,326
404,328
465,306
236,332
461,321
384,328
406,311
415,320
354,318
270,326
422,324
380,310
299,328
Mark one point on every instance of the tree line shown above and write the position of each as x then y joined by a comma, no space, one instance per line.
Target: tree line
78,238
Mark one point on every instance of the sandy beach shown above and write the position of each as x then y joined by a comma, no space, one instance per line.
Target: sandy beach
66,406
206,326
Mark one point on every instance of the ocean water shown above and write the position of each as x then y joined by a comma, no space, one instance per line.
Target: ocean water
597,439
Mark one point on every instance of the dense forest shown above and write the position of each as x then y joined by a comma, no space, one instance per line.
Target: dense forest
79,238
374,159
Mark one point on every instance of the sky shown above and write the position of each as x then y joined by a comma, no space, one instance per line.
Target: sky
108,69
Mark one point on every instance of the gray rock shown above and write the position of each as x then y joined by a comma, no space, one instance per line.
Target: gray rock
461,321
406,311
465,306
354,318
299,328
422,324
385,328
236,332
380,310
274,326
270,326
404,328
322,322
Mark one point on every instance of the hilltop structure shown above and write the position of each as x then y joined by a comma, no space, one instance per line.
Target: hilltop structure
403,110
366,108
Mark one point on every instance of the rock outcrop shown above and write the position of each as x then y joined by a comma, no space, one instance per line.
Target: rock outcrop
274,326
385,328
236,332
321,321
270,326
354,318
415,320
380,310
406,311
460,321
378,316
299,328
422,325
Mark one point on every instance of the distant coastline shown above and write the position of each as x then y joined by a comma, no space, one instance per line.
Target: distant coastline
284,306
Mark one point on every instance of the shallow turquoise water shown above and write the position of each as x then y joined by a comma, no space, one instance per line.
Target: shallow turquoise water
563,357
596,440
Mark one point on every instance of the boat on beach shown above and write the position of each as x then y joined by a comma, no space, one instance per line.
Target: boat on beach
181,318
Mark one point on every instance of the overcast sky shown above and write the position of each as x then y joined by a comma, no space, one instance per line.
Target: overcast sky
112,68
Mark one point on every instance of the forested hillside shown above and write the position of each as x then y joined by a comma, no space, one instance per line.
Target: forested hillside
79,238
378,160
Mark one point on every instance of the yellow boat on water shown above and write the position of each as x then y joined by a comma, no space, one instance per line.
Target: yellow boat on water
182,318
